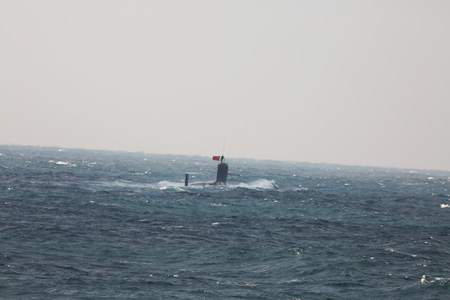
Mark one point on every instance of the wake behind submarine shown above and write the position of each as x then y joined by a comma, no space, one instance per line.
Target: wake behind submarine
222,174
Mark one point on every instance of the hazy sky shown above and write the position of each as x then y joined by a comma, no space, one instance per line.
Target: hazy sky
348,82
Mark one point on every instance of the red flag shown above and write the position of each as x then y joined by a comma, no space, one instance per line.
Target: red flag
216,157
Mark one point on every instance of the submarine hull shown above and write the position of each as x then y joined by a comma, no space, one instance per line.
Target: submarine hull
222,176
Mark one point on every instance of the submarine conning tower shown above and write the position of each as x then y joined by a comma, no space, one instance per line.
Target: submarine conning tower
222,173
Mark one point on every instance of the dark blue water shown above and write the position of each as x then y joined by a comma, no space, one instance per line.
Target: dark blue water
79,224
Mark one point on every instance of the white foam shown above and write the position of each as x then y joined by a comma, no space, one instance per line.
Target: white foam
263,184
301,189
62,163
445,205
438,280
218,204
169,184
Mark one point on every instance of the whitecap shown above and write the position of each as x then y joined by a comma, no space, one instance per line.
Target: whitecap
301,189
445,205
62,163
435,280
218,204
259,184
171,184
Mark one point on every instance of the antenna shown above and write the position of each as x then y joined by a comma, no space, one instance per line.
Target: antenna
223,148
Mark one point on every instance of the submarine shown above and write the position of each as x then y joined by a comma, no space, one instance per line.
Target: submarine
222,174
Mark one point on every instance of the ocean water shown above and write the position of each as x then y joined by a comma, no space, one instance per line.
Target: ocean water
78,224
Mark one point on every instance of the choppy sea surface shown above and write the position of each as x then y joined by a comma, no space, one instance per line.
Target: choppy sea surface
79,224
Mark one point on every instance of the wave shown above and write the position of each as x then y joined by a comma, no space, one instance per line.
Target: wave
166,183
62,163
260,184
439,281
121,184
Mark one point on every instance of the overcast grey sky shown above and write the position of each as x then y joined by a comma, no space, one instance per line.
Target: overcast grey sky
348,82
